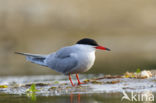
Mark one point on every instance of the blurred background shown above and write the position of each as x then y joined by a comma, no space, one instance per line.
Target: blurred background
127,27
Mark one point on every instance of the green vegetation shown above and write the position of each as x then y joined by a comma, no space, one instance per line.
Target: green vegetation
31,92
138,70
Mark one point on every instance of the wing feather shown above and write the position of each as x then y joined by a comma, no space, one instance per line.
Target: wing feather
62,61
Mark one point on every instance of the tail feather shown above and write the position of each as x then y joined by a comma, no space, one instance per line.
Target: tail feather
34,58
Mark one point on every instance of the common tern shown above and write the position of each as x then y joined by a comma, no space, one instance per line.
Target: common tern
69,60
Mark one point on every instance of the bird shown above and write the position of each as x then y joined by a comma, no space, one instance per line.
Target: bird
74,59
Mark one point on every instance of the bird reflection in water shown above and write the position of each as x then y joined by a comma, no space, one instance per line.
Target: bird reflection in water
75,98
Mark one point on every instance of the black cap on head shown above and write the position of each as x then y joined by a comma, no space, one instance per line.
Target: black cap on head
87,41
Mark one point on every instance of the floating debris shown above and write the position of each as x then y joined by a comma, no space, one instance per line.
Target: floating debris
139,74
52,88
113,82
37,84
96,82
86,81
110,77
146,74
56,82
3,86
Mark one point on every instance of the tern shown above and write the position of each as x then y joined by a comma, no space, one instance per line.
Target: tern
74,59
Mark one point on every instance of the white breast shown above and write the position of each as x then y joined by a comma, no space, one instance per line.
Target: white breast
85,57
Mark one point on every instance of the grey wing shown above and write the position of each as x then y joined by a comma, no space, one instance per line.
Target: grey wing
62,61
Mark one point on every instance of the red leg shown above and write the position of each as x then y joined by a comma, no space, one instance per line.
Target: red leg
77,76
71,81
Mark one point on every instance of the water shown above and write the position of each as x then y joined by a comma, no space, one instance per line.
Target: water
72,98
57,89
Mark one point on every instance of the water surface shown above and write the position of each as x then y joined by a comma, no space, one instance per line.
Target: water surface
57,89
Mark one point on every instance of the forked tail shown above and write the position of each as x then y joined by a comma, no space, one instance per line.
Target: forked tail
34,58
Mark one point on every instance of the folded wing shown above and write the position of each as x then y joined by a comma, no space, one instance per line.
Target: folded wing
62,61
